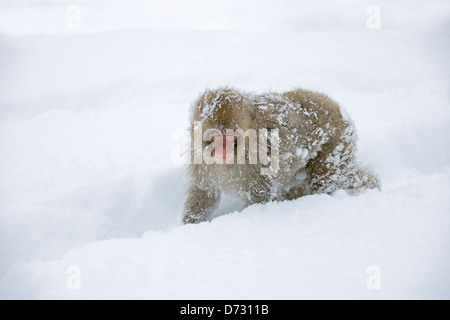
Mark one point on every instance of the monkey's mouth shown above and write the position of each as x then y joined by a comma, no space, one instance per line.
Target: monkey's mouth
223,157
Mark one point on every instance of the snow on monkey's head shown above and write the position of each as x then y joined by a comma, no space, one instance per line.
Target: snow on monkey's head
222,112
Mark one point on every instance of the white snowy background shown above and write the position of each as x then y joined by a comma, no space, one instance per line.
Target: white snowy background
90,119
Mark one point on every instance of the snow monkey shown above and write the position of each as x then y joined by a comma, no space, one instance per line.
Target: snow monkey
310,139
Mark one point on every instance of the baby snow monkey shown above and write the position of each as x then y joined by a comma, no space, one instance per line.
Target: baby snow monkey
265,147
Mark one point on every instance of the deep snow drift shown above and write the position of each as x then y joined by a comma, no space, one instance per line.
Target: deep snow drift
90,124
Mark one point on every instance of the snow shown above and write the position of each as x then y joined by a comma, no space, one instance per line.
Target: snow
209,109
91,121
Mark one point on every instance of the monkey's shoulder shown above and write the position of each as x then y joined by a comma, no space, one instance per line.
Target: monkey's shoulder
290,109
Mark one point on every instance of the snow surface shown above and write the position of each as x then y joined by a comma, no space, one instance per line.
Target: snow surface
90,121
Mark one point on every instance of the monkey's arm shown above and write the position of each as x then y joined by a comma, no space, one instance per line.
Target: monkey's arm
203,199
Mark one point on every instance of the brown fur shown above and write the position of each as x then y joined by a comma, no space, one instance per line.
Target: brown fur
317,144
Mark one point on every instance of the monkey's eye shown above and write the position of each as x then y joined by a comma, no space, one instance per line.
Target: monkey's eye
213,137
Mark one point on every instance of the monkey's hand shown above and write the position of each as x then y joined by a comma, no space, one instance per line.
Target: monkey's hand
200,204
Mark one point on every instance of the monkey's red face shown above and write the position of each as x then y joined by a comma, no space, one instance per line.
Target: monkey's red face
225,143
222,120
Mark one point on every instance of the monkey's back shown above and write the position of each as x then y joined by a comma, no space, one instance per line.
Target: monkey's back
318,141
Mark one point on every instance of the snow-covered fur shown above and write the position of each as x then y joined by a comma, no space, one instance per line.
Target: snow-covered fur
316,149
